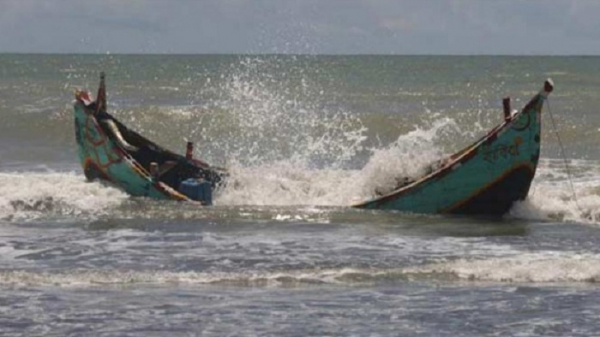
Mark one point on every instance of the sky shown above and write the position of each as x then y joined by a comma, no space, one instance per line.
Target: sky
432,27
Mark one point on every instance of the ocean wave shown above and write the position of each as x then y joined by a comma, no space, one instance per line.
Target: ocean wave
559,194
542,267
28,196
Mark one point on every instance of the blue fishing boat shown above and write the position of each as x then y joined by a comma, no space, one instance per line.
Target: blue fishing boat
110,151
485,178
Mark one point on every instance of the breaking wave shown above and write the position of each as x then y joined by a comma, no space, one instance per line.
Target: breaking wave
557,195
543,267
29,196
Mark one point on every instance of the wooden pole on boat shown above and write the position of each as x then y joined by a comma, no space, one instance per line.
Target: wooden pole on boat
506,106
101,97
154,170
189,150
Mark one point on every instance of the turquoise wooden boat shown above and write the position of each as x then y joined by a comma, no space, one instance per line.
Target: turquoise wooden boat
485,178
110,151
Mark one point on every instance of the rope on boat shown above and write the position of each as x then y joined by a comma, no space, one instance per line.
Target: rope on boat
562,152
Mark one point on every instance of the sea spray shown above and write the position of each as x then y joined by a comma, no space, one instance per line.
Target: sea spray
288,148
407,159
273,117
290,182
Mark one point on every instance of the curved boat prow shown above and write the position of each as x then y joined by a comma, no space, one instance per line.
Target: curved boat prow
548,87
485,178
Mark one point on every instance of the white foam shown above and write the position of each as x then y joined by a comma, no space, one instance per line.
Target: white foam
295,182
542,267
407,157
526,267
120,277
284,183
32,195
551,196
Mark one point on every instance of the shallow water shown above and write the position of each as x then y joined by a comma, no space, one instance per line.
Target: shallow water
280,253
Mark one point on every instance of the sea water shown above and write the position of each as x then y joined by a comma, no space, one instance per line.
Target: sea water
280,252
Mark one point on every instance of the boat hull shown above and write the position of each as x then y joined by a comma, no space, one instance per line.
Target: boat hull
102,158
486,178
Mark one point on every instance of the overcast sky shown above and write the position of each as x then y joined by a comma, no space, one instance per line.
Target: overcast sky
523,27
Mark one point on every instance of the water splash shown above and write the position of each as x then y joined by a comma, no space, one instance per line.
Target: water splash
407,158
275,118
287,146
294,183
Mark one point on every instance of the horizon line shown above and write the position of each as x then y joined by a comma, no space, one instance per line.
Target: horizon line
287,54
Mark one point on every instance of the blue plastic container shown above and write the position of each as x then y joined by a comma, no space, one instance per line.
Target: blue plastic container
199,190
